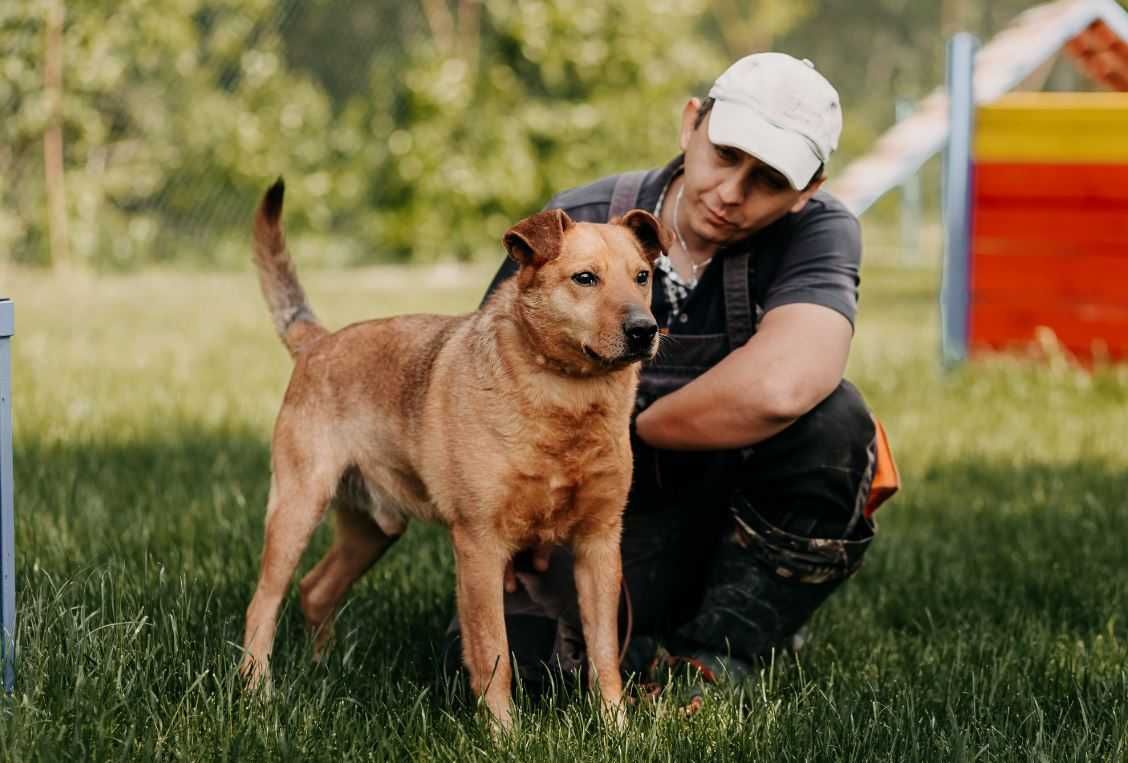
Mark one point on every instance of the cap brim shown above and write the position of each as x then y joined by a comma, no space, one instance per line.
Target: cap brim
731,124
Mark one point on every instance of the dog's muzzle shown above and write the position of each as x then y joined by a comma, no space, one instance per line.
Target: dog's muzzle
640,329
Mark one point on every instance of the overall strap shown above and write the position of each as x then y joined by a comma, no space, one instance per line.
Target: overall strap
624,197
740,315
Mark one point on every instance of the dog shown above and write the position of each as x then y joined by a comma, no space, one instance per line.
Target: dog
508,425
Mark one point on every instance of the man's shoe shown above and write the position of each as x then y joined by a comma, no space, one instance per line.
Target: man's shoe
690,677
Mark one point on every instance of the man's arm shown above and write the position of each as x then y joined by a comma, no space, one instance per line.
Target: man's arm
794,361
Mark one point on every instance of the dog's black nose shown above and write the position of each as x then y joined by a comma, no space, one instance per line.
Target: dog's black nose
640,331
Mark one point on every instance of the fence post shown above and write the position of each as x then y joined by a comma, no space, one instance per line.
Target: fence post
7,498
955,291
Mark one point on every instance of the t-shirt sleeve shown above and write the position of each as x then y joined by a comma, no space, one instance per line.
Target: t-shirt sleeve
507,269
820,264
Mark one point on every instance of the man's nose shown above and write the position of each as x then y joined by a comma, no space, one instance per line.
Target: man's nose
731,190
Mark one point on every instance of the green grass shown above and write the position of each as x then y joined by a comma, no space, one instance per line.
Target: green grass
988,622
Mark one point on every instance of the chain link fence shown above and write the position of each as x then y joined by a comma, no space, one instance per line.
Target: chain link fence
143,131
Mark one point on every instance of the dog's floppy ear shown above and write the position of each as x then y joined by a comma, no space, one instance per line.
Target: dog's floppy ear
537,239
655,237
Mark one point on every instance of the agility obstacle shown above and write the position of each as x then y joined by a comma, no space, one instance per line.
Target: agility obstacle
1036,219
1035,184
1049,223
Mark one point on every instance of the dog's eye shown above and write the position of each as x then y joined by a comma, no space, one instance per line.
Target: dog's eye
642,277
586,278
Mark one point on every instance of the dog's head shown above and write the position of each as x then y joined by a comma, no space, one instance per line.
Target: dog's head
585,288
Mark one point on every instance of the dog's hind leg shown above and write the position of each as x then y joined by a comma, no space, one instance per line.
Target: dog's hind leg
297,503
358,543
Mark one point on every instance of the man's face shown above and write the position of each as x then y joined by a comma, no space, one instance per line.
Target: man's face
730,194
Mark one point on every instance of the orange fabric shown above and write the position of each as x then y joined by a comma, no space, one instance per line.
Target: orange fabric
886,479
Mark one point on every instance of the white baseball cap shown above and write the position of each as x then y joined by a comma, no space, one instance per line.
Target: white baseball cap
780,110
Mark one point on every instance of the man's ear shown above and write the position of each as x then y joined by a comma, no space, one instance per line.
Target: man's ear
808,192
655,237
688,122
537,239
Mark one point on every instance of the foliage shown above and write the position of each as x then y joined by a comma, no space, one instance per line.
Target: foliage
561,93
177,112
406,130
168,105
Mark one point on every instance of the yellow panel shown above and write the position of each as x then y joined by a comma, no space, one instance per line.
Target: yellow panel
1054,128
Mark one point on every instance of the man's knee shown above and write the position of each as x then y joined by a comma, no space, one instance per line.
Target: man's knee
764,585
813,477
839,431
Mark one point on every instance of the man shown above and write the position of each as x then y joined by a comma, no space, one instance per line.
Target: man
753,457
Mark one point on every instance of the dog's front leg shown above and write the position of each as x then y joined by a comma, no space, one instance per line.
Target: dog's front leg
598,578
480,566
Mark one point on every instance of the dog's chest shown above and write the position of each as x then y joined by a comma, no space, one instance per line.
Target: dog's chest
568,478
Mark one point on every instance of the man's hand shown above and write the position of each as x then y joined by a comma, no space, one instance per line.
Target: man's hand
794,361
540,564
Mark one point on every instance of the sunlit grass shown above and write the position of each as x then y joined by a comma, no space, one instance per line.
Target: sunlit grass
988,620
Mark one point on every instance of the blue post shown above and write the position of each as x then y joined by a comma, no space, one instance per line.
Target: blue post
955,292
7,509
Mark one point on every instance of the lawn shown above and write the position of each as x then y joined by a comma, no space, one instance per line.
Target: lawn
988,621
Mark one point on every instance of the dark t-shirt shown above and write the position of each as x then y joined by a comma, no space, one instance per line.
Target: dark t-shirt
811,256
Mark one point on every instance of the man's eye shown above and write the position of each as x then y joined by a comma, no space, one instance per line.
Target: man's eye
586,278
726,154
642,277
773,181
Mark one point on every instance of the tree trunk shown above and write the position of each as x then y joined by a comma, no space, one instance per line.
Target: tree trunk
441,24
469,32
953,17
53,135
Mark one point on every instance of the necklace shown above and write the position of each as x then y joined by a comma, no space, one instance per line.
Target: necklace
694,266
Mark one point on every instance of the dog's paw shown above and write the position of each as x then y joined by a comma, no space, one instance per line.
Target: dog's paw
256,676
615,715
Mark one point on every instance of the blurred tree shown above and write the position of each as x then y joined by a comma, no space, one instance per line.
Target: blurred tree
752,27
336,42
53,170
166,111
559,93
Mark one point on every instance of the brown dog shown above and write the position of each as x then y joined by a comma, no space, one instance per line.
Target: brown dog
508,425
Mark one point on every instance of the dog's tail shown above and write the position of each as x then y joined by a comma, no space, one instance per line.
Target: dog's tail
293,318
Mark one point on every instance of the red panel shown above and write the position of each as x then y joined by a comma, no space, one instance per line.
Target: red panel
1050,248
1053,222
1014,271
985,245
1071,184
998,325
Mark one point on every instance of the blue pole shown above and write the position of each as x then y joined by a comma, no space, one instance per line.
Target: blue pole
955,289
7,509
